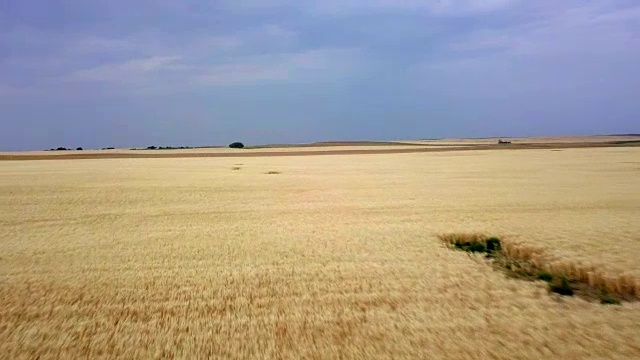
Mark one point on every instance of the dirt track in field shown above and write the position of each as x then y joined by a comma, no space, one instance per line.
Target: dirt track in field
160,154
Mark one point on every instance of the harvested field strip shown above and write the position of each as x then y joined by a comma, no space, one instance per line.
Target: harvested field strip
334,143
527,262
240,153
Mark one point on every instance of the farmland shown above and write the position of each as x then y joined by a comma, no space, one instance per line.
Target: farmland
312,256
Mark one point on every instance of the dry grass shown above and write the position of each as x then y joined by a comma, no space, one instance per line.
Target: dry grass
531,140
528,261
335,148
335,258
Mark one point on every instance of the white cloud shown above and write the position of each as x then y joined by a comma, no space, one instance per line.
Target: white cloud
569,30
129,71
278,31
237,74
223,43
335,7
274,52
165,74
312,65
567,49
483,40
146,61
464,7
155,43
620,15
7,90
94,44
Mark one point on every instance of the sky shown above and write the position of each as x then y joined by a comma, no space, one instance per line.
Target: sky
102,73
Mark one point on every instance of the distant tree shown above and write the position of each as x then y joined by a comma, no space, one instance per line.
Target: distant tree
236,145
151,147
61,148
79,148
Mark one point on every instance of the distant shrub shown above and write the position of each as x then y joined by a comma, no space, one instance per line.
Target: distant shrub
473,243
61,149
493,244
173,147
79,148
545,276
474,247
236,145
563,287
528,263
151,147
609,299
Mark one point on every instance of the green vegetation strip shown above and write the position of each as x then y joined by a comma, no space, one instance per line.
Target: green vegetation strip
527,264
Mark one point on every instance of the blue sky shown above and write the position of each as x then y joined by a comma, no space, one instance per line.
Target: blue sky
133,73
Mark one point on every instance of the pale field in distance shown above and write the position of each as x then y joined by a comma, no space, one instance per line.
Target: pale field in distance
344,146
335,257
222,150
530,140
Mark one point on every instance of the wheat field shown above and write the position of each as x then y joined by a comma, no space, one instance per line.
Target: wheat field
323,257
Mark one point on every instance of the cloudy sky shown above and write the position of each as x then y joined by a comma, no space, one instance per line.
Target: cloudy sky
200,72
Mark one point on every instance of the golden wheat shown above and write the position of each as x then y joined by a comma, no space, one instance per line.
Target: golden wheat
536,259
335,257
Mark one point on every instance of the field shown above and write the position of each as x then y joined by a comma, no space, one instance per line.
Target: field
336,148
312,256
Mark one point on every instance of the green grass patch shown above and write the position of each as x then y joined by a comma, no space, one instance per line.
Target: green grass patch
475,243
562,287
519,264
545,276
609,299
